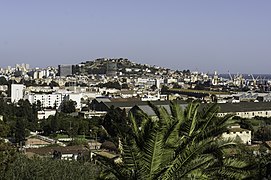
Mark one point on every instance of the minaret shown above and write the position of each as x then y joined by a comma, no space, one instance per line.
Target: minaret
215,79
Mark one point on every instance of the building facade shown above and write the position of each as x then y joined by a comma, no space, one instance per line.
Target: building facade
238,134
17,92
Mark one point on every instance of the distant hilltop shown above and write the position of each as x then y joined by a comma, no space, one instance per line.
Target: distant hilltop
117,66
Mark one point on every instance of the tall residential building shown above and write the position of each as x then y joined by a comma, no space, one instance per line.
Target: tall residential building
46,100
65,70
17,92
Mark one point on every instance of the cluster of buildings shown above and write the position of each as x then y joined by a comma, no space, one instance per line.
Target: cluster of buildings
97,85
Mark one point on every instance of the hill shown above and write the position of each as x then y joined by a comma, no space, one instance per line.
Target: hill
120,67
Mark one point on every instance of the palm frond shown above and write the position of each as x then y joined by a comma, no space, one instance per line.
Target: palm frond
185,157
153,151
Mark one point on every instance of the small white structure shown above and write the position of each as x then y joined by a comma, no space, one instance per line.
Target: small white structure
237,133
248,114
90,114
46,113
17,92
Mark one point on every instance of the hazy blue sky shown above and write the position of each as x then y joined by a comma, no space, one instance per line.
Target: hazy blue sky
203,35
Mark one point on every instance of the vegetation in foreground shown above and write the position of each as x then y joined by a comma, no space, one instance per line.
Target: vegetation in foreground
17,166
182,144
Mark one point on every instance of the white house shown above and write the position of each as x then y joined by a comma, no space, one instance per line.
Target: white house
237,133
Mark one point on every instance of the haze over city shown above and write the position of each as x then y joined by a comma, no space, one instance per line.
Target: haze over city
198,35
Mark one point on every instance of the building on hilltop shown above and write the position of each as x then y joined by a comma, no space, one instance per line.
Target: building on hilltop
111,68
65,70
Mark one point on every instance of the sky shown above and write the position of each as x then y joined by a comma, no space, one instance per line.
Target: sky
209,35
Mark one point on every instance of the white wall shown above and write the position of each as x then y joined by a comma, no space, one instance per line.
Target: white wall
46,113
47,100
244,135
17,92
75,97
249,114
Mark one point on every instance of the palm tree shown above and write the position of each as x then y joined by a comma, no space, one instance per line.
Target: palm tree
182,144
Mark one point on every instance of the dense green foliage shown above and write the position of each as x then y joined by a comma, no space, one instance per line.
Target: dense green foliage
36,168
115,121
21,118
182,144
3,81
69,125
18,118
68,106
16,166
263,133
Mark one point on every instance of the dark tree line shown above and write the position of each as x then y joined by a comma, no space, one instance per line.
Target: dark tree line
18,119
17,166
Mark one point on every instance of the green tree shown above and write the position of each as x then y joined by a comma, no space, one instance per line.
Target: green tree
182,144
7,156
68,106
55,124
44,168
263,133
20,132
114,122
3,81
4,129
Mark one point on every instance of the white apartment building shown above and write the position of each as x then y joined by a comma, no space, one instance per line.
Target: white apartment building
50,100
47,100
17,92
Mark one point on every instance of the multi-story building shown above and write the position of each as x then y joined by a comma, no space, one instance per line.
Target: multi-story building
47,100
17,92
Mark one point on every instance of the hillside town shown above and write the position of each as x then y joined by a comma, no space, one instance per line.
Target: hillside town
69,104
135,90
